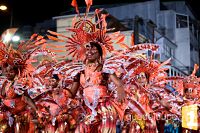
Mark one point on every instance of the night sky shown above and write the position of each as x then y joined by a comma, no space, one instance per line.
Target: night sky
34,11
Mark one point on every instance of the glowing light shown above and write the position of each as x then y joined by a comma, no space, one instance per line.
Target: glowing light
15,38
3,7
7,38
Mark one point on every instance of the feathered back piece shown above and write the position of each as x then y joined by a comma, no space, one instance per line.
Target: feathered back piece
20,58
85,30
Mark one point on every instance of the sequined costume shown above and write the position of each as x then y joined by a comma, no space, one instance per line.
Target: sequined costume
16,66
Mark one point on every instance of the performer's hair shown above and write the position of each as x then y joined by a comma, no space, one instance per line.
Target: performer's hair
147,76
55,76
186,90
15,68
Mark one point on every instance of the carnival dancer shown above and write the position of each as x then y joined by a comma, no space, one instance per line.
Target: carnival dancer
189,88
148,78
55,107
102,110
17,68
102,115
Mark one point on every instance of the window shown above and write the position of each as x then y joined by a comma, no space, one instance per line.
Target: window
168,51
181,21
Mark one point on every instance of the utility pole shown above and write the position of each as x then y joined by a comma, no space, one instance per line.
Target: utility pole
11,10
151,26
136,30
11,18
137,21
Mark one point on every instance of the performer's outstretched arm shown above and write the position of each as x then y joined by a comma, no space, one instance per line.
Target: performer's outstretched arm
120,89
73,90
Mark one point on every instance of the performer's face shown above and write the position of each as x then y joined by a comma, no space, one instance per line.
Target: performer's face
141,78
92,53
53,82
188,92
9,72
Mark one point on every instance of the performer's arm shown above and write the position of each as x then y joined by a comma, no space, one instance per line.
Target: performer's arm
74,88
2,90
119,84
30,102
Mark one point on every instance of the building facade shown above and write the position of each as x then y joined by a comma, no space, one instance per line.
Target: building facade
172,25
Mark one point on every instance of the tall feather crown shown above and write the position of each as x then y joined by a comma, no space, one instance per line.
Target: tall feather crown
87,29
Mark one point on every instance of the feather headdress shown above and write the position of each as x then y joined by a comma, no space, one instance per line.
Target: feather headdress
192,81
85,30
21,58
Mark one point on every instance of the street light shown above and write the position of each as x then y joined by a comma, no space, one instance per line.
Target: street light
3,7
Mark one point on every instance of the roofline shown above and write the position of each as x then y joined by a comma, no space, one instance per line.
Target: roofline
71,15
